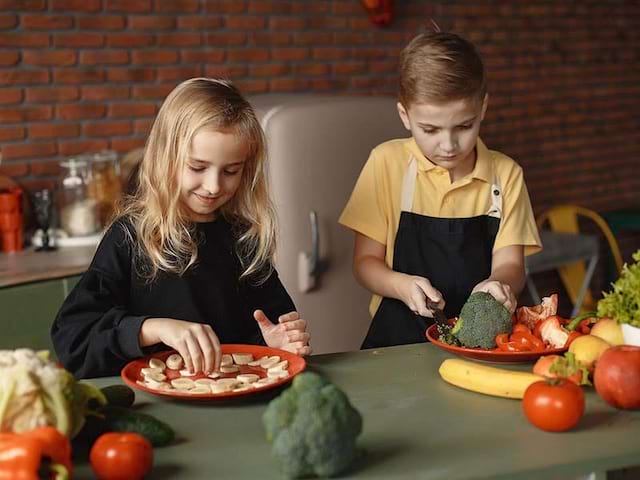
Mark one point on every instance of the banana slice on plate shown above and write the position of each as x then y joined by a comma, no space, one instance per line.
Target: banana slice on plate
157,363
270,362
278,373
243,388
200,389
226,360
220,388
248,377
283,365
265,381
214,375
147,371
242,358
257,363
175,362
186,373
155,377
204,382
230,369
182,383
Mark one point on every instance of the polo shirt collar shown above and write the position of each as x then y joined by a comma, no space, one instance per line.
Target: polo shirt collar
483,169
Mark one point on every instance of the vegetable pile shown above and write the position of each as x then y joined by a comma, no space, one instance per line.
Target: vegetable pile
623,302
312,427
482,318
36,392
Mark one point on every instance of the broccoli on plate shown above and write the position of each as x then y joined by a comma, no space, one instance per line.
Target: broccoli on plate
312,427
482,318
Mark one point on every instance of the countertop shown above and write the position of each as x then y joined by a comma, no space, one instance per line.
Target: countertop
415,426
30,266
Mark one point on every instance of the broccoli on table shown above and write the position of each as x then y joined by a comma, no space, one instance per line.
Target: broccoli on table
313,428
482,318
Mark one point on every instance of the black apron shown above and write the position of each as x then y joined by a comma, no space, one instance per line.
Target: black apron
455,254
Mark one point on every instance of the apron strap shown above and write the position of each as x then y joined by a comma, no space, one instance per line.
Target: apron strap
496,199
408,186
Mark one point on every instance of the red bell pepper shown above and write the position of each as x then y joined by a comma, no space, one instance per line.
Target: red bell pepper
23,455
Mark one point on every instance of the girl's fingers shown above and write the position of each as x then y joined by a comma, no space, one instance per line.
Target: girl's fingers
288,317
298,336
304,351
262,319
207,341
217,350
299,324
195,354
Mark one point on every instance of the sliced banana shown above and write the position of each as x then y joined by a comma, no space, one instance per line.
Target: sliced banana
220,388
155,377
265,381
147,371
257,363
242,358
187,373
226,360
230,369
182,383
270,362
214,375
277,373
157,363
248,377
175,362
283,365
204,382
230,382
200,389
243,388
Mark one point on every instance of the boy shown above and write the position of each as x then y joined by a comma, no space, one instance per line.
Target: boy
438,216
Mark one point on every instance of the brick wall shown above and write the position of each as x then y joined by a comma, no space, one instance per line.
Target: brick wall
83,75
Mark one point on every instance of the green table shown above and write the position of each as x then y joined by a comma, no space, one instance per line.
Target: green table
415,426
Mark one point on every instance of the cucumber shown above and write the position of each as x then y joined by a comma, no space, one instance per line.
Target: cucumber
119,395
119,419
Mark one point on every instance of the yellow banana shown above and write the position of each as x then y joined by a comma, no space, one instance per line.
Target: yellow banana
484,379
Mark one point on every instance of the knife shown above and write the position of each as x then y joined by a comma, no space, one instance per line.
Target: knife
438,314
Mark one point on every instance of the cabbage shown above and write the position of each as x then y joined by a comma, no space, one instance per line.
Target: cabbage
35,392
622,303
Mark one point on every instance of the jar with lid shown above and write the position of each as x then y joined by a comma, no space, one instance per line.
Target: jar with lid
105,186
77,209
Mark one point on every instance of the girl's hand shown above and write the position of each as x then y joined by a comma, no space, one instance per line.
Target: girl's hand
414,291
288,334
500,291
195,342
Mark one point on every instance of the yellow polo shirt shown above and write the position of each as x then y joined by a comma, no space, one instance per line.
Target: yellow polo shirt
374,207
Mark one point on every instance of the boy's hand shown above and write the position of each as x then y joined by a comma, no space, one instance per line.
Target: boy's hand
197,343
414,292
288,334
500,291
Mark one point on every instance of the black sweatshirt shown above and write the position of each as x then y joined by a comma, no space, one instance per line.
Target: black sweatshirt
96,330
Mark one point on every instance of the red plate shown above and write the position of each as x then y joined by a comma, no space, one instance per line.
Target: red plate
131,372
490,355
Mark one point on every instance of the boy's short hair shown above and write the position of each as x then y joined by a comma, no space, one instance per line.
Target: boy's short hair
440,67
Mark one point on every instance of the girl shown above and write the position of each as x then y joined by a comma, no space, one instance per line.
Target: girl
189,259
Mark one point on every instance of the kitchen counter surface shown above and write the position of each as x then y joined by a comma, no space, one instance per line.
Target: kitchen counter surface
29,266
415,426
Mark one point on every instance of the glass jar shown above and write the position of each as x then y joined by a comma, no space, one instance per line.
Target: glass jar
105,186
77,209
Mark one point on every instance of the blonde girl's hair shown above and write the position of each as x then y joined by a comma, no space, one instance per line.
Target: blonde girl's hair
438,67
165,235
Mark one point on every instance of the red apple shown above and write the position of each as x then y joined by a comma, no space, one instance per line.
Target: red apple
617,376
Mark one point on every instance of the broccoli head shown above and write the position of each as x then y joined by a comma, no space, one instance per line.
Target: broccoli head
312,427
482,318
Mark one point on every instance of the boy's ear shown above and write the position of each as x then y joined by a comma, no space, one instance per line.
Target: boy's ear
485,104
404,116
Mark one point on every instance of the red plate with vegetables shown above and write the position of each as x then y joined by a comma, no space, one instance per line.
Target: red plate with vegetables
245,370
535,331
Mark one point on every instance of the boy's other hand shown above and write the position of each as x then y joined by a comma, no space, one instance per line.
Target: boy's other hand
197,343
414,292
290,333
500,291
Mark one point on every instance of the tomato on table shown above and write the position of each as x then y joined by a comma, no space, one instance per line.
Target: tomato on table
121,456
554,405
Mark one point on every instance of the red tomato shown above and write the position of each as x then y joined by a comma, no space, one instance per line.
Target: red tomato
553,405
121,456
617,376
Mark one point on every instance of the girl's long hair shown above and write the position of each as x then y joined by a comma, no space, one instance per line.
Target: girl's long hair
164,233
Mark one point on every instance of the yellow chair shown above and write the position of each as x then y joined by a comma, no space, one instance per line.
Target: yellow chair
564,219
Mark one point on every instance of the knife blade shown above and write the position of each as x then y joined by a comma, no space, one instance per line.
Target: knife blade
438,314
